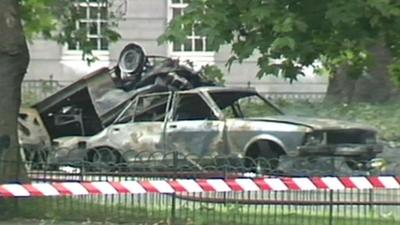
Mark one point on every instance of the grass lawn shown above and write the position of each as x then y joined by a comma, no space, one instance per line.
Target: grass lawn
64,211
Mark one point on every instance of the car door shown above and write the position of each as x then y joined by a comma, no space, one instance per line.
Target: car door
193,126
145,130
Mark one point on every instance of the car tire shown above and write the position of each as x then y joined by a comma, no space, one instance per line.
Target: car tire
267,162
262,158
360,164
34,157
102,159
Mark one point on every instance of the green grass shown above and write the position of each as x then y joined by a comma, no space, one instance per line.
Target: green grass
50,222
187,213
385,117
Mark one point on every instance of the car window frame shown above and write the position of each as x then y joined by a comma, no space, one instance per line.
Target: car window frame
167,108
222,114
203,97
132,103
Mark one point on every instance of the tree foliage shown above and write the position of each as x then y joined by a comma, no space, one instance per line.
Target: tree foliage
51,19
56,19
290,34
213,74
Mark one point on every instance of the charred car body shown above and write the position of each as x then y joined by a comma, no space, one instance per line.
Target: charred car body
149,104
87,106
215,122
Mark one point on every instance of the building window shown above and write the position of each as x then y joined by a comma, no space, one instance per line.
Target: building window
194,42
196,48
93,20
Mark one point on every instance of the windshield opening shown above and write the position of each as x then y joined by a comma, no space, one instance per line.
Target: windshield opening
244,105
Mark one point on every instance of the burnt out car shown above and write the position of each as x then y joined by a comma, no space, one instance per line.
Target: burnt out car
211,122
87,106
90,104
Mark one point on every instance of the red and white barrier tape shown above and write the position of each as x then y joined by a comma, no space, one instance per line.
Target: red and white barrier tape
196,186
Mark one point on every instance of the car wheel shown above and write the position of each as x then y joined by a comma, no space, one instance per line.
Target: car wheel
358,163
33,157
103,159
267,162
263,158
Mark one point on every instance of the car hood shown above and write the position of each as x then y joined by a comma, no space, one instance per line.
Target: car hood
315,123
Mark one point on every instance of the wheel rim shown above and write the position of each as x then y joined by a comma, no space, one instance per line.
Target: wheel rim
103,159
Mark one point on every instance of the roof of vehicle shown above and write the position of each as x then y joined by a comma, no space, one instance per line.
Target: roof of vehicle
219,89
206,89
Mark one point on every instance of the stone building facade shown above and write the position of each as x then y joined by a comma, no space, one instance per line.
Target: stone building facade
144,22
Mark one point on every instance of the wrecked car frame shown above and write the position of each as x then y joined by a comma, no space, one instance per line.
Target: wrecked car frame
157,104
214,122
87,106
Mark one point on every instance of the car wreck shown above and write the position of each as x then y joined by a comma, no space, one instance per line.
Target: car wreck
156,104
90,104
211,122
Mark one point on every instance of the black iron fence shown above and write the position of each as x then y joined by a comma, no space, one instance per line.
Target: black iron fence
293,96
275,208
183,164
35,90
347,206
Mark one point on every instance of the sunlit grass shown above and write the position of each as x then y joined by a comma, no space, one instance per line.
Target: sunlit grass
385,117
89,209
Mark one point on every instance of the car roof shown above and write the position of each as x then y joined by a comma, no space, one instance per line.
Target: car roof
219,89
209,89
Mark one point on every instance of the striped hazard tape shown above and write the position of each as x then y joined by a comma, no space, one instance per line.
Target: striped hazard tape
196,186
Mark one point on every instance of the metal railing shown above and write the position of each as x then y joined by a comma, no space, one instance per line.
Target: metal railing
174,163
34,90
349,206
292,96
219,208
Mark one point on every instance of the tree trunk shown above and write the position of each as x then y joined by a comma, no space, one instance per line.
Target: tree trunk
14,59
376,86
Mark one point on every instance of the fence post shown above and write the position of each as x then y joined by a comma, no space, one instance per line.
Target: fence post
330,207
225,178
333,172
175,171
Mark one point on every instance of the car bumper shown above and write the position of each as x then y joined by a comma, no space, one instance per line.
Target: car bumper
341,150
